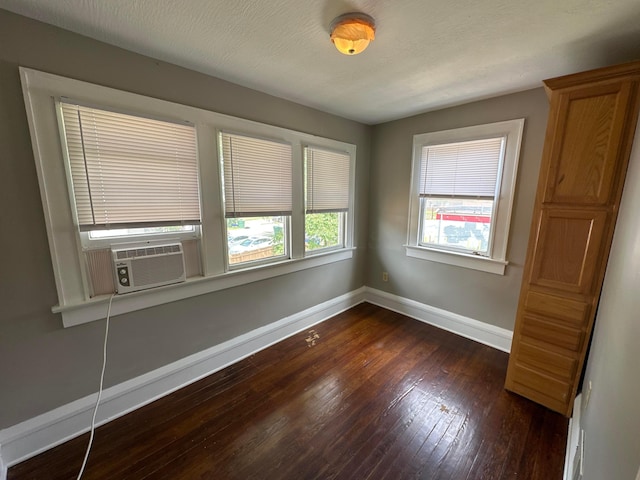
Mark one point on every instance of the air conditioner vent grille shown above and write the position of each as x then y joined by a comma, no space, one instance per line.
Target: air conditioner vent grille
147,267
147,251
148,271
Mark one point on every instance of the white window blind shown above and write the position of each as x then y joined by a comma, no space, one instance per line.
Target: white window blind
463,169
257,176
130,171
327,180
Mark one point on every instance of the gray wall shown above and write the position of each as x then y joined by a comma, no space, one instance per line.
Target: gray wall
42,365
483,296
611,419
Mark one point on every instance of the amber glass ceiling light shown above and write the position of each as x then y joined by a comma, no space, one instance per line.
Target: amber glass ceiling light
352,32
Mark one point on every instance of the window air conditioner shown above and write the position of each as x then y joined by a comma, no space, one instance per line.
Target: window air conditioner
147,267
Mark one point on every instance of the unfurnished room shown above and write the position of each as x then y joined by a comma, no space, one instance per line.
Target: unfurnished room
319,240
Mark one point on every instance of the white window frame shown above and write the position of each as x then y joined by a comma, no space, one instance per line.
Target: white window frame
345,226
287,218
262,261
66,245
89,243
342,229
496,262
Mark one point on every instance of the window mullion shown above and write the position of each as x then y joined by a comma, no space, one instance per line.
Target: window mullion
296,234
213,231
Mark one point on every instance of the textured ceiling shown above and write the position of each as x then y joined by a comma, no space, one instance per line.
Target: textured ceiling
428,54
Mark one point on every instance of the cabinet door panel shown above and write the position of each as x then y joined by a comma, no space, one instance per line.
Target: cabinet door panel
545,385
585,154
567,250
572,311
552,333
541,358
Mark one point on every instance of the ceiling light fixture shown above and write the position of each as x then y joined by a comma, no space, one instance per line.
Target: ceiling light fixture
352,32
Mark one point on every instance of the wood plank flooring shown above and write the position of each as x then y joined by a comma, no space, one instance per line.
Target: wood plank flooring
368,394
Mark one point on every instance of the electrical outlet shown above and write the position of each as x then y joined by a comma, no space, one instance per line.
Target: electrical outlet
385,276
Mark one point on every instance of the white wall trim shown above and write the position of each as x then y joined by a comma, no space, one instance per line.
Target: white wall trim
512,131
3,467
38,434
96,308
496,337
475,262
573,439
33,436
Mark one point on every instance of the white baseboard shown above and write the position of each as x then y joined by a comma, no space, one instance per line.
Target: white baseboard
573,439
3,468
496,337
33,436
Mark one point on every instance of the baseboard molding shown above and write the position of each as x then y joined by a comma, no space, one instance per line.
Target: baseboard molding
573,439
33,436
38,434
3,468
496,337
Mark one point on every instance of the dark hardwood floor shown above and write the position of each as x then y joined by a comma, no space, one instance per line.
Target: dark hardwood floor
369,394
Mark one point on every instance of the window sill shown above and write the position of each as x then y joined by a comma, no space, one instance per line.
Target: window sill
474,262
96,308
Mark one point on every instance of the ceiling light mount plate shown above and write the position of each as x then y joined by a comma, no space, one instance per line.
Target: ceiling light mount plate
352,32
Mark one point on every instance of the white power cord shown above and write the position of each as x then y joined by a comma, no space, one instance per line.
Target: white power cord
95,410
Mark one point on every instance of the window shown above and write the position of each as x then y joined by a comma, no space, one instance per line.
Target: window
121,170
462,191
131,176
327,198
457,194
258,197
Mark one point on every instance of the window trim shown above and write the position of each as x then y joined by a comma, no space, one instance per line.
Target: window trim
341,235
497,262
95,309
348,237
344,226
453,248
89,243
235,267
66,249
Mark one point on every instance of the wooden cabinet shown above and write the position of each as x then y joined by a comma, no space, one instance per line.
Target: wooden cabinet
590,131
